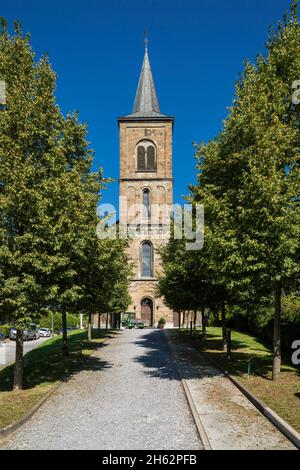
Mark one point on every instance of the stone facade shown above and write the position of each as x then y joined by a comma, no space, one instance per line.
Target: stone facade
159,183
146,194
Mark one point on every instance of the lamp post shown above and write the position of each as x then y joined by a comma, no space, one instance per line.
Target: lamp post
52,324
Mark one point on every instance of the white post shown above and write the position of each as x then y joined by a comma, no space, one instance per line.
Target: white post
52,324
81,318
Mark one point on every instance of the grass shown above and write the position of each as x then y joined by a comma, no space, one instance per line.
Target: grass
283,396
44,368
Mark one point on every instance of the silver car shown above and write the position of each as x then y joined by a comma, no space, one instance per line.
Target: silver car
27,334
44,332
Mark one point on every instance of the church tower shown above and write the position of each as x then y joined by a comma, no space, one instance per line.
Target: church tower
146,186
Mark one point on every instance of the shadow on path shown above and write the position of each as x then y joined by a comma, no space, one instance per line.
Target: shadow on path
156,356
159,361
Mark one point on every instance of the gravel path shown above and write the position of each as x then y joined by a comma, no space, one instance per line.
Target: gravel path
230,420
131,398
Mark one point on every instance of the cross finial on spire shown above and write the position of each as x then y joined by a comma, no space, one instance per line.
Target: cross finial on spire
146,103
146,39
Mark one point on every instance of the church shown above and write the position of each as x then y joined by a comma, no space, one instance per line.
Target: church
146,183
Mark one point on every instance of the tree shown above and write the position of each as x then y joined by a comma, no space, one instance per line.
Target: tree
74,219
30,125
250,176
48,194
184,283
248,181
104,275
117,280
217,183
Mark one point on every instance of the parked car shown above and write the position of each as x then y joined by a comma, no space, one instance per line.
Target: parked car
12,333
37,334
28,334
2,337
69,328
137,323
44,332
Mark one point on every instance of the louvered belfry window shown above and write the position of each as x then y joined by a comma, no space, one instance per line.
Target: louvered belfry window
146,156
141,158
151,158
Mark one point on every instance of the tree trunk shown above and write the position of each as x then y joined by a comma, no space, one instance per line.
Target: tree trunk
216,315
188,319
183,319
223,316
107,321
195,319
276,331
89,327
179,319
65,348
203,321
19,364
99,321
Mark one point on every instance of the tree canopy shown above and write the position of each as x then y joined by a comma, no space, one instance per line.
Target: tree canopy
248,180
50,255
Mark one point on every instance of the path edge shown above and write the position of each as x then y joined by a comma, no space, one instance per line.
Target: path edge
288,431
5,431
197,420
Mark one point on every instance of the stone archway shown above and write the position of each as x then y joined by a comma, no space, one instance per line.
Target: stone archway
147,311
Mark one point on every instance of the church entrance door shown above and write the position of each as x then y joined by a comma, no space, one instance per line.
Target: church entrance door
147,311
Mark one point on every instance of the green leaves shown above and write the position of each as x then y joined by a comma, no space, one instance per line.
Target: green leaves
50,256
248,179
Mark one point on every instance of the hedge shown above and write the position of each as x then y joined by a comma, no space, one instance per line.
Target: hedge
4,329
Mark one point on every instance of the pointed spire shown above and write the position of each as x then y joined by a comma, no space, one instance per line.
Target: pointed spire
146,40
146,102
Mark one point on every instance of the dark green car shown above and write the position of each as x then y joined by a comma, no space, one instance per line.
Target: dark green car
128,321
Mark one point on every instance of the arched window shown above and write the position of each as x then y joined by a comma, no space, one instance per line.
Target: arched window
151,158
146,203
141,161
146,156
146,260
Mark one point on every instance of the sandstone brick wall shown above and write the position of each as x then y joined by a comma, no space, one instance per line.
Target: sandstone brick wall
160,185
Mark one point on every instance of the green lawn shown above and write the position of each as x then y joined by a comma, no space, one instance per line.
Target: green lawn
282,396
45,367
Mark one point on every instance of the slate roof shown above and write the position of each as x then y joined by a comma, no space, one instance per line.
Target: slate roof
146,102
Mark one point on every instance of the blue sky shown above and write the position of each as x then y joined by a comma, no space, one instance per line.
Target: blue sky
196,50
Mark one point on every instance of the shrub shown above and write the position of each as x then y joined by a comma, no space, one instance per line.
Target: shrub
46,320
4,329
